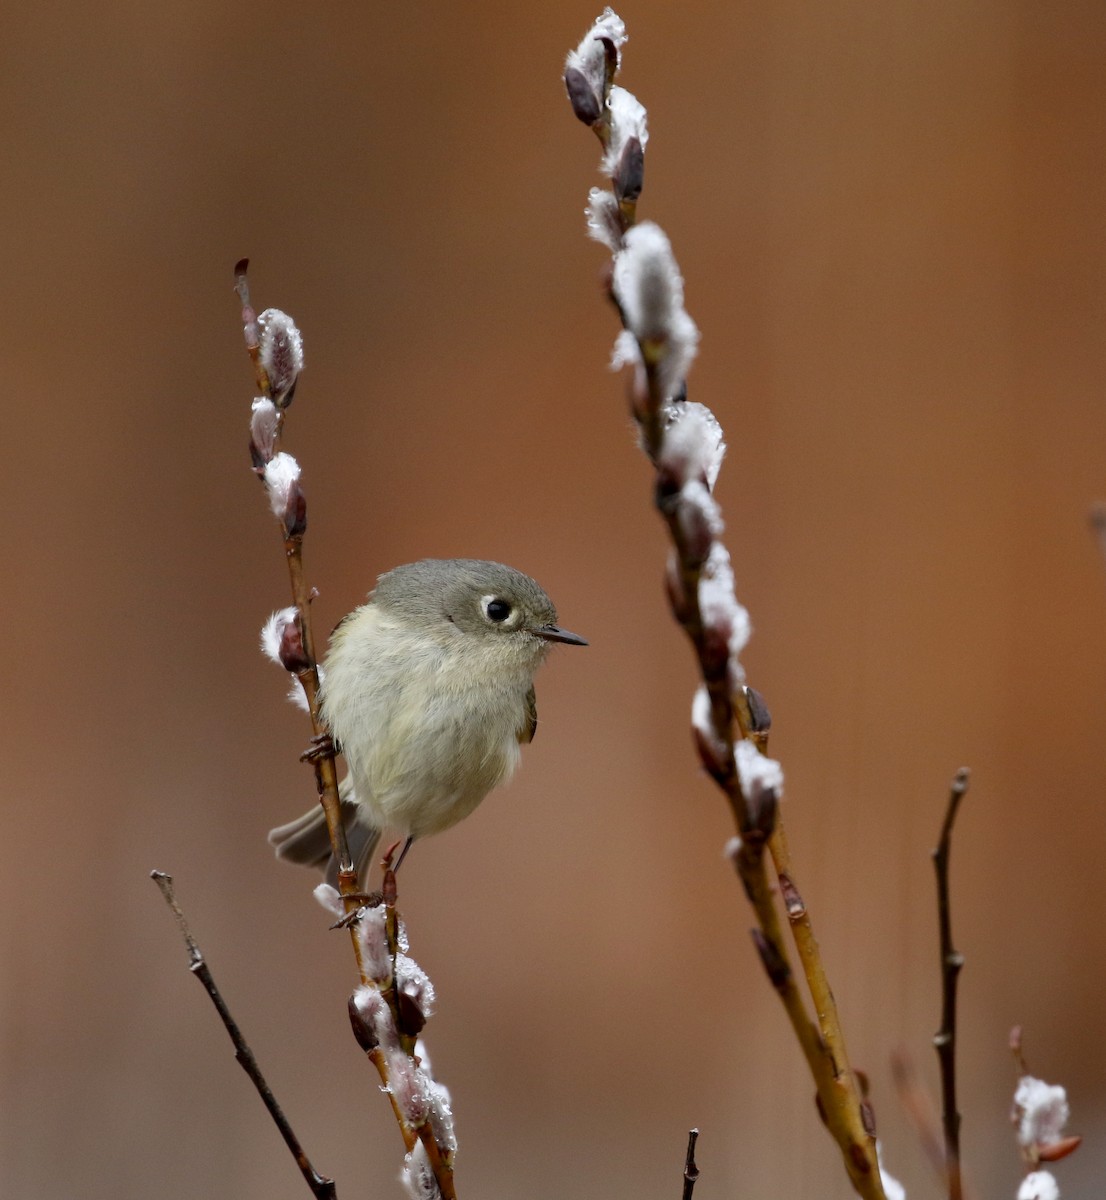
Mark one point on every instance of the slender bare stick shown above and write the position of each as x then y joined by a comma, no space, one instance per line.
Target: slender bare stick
320,1185
691,1171
951,962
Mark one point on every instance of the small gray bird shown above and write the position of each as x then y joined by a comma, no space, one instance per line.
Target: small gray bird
428,692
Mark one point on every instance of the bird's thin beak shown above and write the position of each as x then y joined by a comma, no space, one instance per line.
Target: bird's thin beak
554,633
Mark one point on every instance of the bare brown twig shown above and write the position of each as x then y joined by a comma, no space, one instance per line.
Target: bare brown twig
320,1185
691,1171
951,963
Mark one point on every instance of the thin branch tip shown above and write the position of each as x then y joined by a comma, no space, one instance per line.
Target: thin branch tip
691,1170
944,1041
321,1186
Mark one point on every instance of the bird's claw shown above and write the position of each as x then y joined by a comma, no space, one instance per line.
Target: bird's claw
365,900
322,746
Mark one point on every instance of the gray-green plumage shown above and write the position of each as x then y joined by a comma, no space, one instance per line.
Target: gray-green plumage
428,690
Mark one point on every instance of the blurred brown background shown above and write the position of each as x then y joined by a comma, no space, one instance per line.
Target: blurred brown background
892,221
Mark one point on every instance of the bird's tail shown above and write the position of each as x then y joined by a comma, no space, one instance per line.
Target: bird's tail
305,840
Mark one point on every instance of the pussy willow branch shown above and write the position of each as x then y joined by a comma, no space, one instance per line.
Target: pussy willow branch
322,757
326,772
846,1114
951,963
321,1186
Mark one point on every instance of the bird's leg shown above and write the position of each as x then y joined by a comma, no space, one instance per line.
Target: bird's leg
386,861
366,900
402,855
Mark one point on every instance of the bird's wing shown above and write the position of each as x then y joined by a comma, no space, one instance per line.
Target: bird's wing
530,726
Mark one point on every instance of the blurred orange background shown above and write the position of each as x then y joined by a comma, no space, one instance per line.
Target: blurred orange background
891,223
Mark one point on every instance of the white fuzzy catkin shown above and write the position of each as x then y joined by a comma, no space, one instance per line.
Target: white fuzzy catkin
757,771
271,634
720,608
414,983
692,447
590,56
273,631
650,293
264,423
604,221
282,473
281,351
703,723
628,120
373,1008
441,1115
417,1176
1040,1110
376,958
1039,1185
408,1086
330,898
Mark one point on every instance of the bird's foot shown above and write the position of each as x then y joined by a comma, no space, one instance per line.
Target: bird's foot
364,900
322,746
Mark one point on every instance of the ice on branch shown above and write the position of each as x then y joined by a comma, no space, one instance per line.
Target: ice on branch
281,354
1039,1185
650,293
604,219
264,427
590,68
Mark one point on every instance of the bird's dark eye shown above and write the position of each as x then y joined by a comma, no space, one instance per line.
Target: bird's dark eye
497,610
